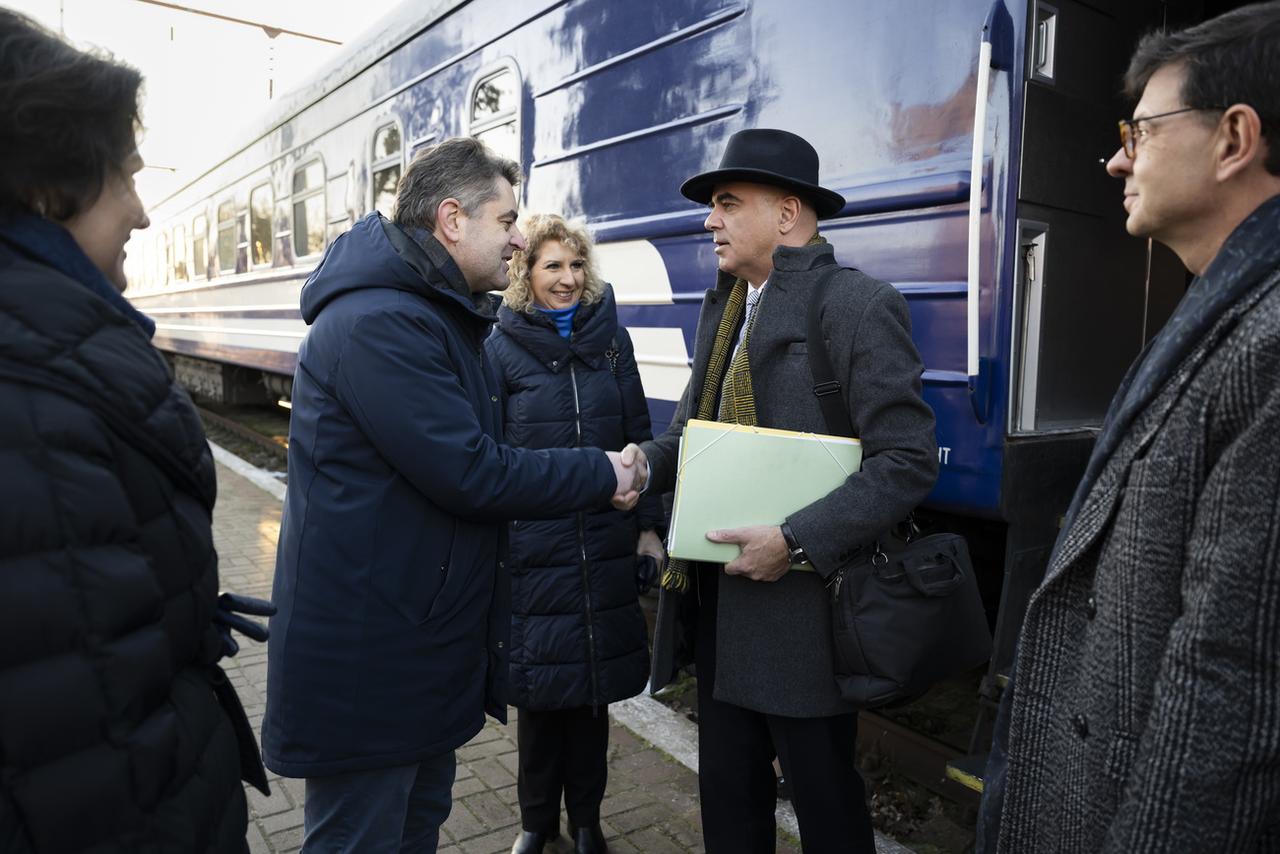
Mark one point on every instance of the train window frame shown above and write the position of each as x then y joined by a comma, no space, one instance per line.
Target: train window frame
301,198
228,225
199,240
382,164
502,119
180,254
270,226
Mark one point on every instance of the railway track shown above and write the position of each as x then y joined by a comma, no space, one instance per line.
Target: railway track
914,755
279,449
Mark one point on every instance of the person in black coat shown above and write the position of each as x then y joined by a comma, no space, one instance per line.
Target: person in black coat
578,639
118,732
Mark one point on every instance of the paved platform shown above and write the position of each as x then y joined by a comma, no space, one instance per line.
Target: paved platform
651,804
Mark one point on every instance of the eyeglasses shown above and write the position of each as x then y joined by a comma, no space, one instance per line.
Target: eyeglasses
1130,133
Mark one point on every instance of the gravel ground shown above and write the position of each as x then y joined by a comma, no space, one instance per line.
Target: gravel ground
246,450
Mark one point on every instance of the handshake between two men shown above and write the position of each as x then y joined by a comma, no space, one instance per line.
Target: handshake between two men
632,471
765,555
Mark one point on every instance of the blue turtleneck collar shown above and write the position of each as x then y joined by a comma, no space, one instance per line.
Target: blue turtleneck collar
562,317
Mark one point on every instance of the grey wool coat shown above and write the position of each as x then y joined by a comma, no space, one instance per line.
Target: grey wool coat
1145,706
773,640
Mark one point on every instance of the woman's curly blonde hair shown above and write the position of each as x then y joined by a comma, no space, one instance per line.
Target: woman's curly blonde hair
539,229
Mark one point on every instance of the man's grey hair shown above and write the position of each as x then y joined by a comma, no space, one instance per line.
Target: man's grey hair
460,168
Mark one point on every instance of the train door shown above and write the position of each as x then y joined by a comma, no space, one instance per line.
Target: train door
1087,296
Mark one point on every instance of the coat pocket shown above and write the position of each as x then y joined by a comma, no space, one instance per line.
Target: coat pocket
412,566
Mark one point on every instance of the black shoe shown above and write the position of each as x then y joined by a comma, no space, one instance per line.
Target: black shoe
589,840
532,841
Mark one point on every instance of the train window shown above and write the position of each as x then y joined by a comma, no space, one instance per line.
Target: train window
308,209
387,165
199,260
495,103
179,254
143,268
227,237
260,205
166,258
495,97
161,260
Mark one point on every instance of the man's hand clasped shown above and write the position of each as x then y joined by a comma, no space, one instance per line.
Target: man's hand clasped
632,471
764,551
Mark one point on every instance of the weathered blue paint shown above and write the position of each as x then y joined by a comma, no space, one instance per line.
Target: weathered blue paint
621,101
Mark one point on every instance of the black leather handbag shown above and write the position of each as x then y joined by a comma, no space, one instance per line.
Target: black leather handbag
910,614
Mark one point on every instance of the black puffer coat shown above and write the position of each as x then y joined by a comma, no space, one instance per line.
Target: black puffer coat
577,635
111,736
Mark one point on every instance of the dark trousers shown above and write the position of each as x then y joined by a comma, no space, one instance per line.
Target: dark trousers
398,809
736,782
563,750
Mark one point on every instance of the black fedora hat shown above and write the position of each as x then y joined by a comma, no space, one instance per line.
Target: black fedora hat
766,156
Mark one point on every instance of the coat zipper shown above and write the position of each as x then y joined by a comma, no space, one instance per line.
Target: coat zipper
582,551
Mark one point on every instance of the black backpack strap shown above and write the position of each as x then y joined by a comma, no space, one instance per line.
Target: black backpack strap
835,412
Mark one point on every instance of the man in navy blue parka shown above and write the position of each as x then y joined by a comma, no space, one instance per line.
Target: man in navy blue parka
394,604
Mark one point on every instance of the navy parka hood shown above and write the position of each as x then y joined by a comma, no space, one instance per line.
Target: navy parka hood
377,253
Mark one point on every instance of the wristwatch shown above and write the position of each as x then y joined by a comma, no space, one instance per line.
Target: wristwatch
795,552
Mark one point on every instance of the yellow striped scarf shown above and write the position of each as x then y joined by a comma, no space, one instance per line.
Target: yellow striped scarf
739,405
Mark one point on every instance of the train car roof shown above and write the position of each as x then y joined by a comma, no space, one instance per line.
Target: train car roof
388,33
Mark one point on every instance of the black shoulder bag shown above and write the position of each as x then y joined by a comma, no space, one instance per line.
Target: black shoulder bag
908,614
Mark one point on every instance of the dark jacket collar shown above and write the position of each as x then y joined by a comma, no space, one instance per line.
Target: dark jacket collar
594,328
376,253
419,249
48,243
788,259
801,259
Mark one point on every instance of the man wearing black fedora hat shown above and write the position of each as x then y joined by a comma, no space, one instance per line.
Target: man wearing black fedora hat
760,632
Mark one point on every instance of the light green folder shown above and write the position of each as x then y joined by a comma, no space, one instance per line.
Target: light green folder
731,476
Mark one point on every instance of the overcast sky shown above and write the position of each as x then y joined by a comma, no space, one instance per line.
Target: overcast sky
205,79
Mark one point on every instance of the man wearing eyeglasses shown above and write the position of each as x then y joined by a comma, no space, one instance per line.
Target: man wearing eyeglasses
1144,709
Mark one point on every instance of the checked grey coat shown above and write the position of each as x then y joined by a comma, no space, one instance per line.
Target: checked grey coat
773,640
1145,705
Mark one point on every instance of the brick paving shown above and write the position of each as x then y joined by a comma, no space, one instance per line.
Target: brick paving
651,804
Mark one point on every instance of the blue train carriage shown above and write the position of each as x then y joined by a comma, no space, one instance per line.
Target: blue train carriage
967,136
